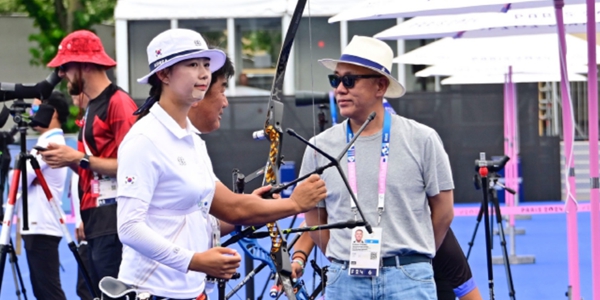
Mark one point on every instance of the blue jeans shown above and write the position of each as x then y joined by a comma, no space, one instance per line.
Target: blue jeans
413,281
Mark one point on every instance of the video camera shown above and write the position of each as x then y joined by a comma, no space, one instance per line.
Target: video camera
492,165
40,90
19,109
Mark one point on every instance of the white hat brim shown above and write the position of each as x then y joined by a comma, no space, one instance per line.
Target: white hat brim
217,60
394,90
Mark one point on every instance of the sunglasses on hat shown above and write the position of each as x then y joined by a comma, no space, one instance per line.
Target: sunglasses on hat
348,80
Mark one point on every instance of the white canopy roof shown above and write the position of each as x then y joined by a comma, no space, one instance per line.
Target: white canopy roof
500,79
485,69
211,9
388,9
500,51
513,22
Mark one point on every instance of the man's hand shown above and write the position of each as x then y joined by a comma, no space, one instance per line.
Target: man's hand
58,156
217,262
79,233
310,192
297,270
263,189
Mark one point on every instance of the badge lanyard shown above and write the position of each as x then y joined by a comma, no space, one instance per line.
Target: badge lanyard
85,121
383,164
95,186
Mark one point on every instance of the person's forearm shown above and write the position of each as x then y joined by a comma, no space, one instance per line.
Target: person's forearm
303,246
244,209
226,228
441,218
442,213
75,167
440,227
104,166
315,217
100,165
253,210
321,239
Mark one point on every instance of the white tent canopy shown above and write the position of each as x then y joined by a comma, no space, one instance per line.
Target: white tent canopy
516,78
453,69
210,9
499,51
513,22
389,9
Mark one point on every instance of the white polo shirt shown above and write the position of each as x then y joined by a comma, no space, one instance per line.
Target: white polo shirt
165,188
42,219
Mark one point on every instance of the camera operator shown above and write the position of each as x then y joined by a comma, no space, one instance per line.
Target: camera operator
44,234
81,59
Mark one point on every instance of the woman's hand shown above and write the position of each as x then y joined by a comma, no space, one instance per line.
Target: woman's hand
218,262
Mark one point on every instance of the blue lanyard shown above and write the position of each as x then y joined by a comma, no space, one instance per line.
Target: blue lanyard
383,164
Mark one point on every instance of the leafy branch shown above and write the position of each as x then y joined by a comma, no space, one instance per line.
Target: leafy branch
56,18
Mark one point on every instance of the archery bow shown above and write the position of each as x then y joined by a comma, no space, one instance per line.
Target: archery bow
274,133
279,256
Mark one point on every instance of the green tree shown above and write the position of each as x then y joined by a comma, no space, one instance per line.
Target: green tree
10,6
262,41
55,19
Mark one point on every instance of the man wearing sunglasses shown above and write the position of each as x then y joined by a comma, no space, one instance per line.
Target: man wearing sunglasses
81,60
400,174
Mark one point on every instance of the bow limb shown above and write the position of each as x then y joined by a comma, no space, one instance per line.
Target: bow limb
254,250
274,134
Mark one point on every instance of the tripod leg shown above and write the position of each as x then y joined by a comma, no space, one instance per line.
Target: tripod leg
511,288
479,216
486,216
18,278
60,214
14,272
5,243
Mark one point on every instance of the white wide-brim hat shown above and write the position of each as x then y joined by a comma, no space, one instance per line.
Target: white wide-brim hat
175,45
373,54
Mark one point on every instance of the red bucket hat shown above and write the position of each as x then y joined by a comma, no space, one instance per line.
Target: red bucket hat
84,47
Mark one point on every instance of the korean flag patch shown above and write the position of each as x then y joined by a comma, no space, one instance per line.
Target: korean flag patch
129,179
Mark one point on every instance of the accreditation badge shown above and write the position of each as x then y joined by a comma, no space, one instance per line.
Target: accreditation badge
365,252
107,188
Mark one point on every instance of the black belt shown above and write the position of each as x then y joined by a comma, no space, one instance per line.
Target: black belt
390,261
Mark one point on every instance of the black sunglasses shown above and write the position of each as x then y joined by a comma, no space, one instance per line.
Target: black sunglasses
348,80
65,67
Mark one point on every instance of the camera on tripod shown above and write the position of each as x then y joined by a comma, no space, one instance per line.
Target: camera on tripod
487,174
493,166
20,91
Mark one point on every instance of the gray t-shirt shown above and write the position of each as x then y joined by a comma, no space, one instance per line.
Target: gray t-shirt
418,167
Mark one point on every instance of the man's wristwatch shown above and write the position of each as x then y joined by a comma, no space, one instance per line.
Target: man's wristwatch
84,163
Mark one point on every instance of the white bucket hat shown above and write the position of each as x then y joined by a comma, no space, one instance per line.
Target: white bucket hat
174,45
373,54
